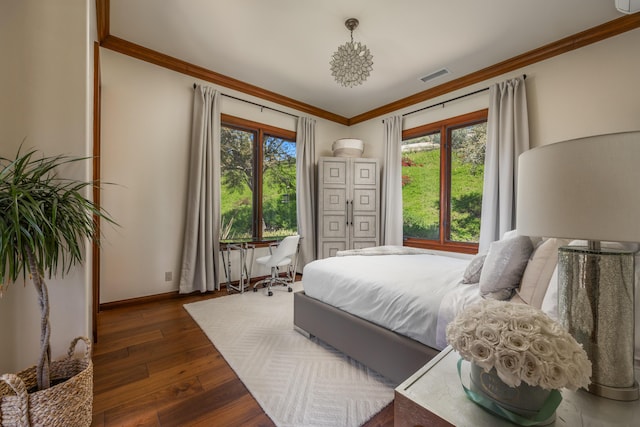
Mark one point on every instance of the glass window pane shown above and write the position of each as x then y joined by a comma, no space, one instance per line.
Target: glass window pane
467,175
421,187
279,188
236,157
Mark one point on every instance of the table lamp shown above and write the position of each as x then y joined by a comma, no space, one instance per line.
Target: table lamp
588,189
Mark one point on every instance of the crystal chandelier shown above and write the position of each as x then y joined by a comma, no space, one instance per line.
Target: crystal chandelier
352,62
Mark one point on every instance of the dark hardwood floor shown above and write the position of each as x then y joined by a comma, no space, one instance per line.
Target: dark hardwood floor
153,366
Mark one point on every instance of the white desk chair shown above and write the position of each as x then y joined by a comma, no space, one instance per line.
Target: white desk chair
282,256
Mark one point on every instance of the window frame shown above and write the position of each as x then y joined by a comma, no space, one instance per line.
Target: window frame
260,132
444,127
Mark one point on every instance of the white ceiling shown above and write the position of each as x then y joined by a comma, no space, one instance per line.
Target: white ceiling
284,46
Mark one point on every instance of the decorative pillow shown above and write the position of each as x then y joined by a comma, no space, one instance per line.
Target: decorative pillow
472,273
509,234
536,241
537,274
503,267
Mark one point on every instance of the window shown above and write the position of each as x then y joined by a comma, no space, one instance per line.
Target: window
258,169
442,179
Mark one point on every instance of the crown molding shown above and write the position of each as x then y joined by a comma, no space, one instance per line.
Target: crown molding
567,44
103,13
576,41
149,55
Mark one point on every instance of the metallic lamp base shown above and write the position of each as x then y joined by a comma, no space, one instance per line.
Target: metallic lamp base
596,305
616,393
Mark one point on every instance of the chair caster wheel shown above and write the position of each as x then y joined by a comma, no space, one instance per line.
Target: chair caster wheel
255,289
270,293
289,289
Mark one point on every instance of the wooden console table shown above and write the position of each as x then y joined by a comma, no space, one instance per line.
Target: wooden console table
433,396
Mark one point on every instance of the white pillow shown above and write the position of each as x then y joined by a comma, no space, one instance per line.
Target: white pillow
503,267
540,267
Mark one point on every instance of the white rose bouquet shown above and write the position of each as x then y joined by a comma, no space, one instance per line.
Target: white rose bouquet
521,343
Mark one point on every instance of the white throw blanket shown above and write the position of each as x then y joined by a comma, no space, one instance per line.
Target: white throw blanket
384,250
402,293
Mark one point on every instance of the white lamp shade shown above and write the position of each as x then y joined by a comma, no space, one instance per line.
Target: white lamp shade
347,147
586,188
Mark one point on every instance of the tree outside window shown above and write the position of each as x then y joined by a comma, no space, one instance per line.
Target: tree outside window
258,169
442,180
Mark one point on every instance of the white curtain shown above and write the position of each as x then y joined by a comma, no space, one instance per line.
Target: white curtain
391,206
306,188
200,259
507,138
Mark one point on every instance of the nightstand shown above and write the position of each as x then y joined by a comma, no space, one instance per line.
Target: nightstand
433,396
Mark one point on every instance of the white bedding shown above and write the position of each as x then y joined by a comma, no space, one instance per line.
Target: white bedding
402,293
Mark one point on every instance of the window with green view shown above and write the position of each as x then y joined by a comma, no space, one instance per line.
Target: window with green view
258,169
442,180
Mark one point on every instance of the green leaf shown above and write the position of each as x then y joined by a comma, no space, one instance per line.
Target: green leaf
44,214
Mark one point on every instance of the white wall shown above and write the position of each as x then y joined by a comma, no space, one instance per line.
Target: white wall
146,125
11,79
146,113
44,82
589,91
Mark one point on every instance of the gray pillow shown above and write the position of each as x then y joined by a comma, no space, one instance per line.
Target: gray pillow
473,270
503,267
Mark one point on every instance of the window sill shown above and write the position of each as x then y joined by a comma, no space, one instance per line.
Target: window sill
463,248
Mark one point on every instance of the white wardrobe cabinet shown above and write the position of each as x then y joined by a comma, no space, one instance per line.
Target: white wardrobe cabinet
348,204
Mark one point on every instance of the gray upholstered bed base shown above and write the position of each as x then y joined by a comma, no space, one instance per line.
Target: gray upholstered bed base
388,353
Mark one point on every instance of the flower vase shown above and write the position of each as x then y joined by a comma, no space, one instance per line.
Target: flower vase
524,404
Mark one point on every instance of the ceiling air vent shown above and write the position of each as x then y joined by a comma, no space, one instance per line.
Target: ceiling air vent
439,73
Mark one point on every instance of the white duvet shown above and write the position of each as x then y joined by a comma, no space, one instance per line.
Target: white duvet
403,293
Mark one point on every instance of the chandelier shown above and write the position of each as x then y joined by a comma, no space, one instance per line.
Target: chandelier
352,62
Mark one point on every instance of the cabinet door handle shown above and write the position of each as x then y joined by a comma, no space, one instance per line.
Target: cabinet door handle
346,207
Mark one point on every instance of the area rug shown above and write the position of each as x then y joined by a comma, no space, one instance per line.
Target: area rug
296,380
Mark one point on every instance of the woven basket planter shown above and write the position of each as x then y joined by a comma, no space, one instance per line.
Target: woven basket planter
66,404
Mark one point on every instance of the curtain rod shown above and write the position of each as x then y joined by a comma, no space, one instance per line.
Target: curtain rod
254,103
524,76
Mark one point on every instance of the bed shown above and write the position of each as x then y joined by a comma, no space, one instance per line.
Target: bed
388,307
363,306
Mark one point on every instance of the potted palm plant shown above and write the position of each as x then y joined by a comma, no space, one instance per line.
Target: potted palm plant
45,222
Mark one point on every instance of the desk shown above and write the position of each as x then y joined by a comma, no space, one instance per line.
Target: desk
433,396
245,254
